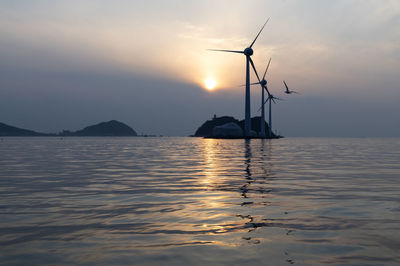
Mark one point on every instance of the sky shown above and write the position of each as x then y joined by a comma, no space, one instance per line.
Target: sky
70,64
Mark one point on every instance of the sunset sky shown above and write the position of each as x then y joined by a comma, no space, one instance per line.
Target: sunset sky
69,64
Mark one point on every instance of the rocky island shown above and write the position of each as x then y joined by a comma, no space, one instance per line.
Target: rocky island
104,129
230,127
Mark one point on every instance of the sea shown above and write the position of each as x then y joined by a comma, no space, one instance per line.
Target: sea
195,201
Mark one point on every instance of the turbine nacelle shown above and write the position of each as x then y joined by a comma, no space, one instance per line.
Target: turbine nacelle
263,82
248,51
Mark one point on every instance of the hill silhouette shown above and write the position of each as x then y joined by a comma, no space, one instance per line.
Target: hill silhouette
7,130
110,128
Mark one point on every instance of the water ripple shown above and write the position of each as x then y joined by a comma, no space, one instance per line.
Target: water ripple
197,201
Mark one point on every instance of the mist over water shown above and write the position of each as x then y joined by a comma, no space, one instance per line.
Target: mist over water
195,201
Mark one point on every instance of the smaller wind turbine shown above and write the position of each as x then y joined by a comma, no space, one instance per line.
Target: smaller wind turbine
271,98
263,84
287,91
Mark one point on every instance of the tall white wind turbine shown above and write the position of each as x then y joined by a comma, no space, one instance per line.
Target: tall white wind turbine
247,52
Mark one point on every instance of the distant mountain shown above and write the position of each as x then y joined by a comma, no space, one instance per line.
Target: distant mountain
110,128
7,130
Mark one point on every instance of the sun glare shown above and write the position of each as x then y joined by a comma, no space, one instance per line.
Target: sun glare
210,83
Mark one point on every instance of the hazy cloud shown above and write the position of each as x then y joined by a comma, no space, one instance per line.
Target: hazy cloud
64,65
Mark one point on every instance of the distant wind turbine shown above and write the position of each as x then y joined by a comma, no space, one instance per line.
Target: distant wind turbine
263,84
271,98
247,52
287,91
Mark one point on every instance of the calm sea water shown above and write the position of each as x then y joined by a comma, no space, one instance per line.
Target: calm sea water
189,201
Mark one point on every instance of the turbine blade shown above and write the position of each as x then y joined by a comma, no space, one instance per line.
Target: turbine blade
254,83
254,68
266,88
229,51
251,45
265,73
263,105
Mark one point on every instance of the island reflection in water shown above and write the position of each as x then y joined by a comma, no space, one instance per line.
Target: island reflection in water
197,201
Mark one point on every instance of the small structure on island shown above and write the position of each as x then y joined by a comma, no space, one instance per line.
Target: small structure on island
206,129
229,130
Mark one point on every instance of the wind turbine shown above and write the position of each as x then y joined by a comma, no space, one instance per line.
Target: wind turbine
271,98
263,84
247,52
287,91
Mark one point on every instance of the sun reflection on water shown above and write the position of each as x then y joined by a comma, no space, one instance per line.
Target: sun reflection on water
204,200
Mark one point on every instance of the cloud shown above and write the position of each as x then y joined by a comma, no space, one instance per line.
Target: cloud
146,62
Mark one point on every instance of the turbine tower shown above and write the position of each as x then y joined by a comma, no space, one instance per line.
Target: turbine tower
247,52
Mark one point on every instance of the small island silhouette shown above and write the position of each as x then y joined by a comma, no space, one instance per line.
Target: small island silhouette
7,130
212,128
110,128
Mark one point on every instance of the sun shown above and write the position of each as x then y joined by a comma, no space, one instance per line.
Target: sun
210,83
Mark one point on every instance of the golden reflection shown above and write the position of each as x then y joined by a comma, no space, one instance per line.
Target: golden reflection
211,162
237,183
